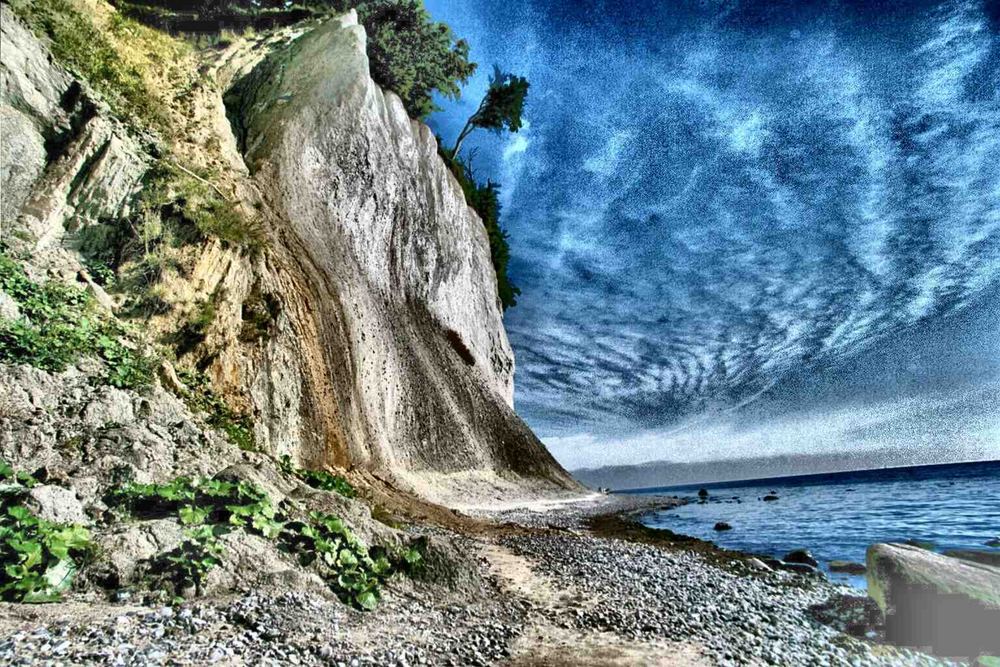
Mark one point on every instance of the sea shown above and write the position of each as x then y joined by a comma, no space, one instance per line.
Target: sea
837,515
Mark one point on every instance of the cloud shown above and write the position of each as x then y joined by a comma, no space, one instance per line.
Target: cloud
706,211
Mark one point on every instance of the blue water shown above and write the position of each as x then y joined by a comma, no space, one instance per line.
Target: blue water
836,516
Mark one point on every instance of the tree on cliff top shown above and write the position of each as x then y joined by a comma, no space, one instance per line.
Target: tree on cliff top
412,55
500,109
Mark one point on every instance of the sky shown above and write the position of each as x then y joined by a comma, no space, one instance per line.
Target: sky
746,229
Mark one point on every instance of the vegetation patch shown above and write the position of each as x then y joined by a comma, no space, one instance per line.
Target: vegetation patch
319,479
193,331
259,313
200,398
39,558
60,323
484,198
95,52
211,508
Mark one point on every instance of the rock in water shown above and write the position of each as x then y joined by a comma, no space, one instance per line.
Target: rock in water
949,605
703,493
722,525
770,498
847,567
801,556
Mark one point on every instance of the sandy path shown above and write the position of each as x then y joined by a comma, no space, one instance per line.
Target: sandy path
543,643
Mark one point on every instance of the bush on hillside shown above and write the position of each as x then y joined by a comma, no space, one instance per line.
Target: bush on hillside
484,198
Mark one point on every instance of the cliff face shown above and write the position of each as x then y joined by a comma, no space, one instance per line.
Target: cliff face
385,352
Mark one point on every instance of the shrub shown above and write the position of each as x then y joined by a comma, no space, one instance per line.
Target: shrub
485,201
319,479
39,558
60,324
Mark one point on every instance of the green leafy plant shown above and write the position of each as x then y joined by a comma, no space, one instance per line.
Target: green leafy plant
39,558
210,508
9,475
60,323
318,479
200,398
190,563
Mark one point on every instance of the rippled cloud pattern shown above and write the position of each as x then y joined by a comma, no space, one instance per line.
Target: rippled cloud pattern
716,201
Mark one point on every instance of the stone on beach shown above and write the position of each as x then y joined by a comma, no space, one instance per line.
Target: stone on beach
931,600
801,556
847,567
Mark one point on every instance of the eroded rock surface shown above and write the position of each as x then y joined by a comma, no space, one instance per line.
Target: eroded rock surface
385,266
930,600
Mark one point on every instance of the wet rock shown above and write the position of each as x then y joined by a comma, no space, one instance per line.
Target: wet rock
855,615
703,493
721,526
800,568
931,600
927,545
847,567
995,542
770,498
801,556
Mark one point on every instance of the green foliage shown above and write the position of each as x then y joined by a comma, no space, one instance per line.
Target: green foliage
319,479
194,331
59,324
408,52
80,46
500,108
259,312
484,198
39,558
200,398
213,507
411,54
188,564
15,477
213,215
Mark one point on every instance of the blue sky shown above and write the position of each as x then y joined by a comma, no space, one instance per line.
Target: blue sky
745,228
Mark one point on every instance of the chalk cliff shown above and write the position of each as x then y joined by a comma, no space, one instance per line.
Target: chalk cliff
385,351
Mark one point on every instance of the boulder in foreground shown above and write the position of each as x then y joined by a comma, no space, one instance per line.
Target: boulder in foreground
932,601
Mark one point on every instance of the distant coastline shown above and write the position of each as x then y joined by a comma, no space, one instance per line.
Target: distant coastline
662,476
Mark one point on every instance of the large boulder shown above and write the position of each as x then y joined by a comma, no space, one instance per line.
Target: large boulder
944,604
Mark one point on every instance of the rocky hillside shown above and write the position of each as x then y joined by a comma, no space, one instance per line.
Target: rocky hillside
267,230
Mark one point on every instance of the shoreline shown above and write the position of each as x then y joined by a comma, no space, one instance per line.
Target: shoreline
578,585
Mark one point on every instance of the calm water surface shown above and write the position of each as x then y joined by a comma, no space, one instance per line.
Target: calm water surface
836,516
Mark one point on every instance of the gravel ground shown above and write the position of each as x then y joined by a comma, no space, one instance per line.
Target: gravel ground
624,593
644,592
